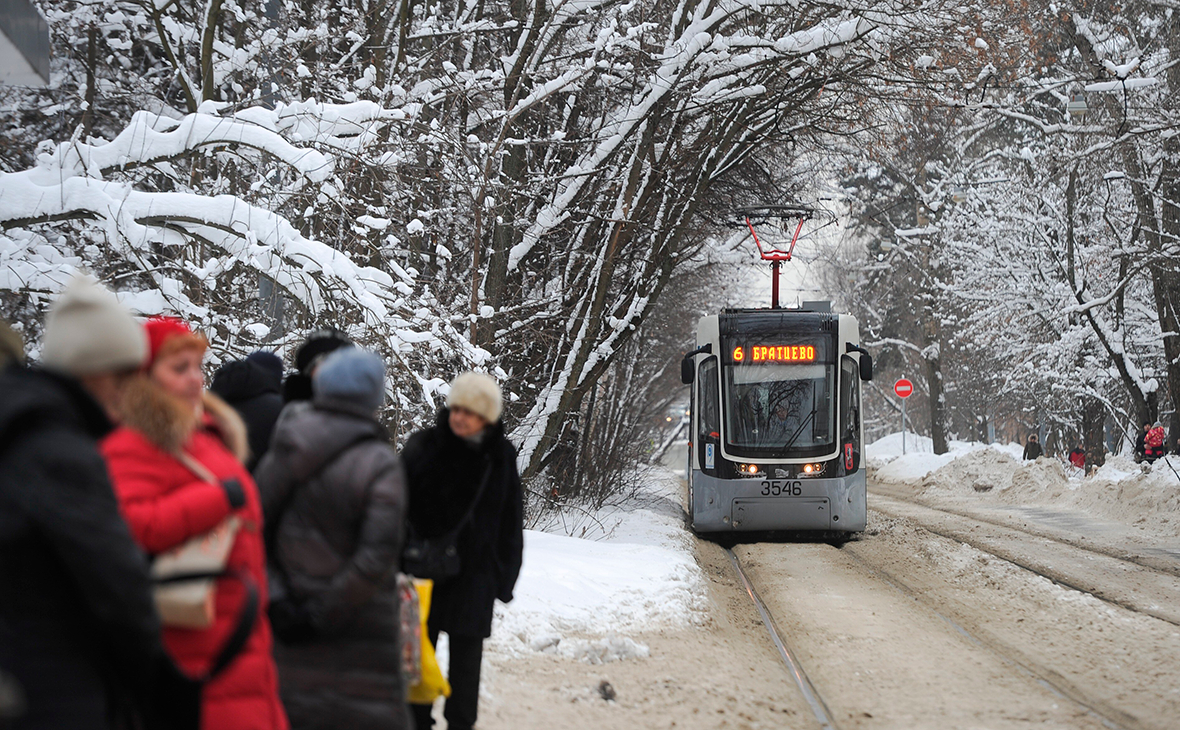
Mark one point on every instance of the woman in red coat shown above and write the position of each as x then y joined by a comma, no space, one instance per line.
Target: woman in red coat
167,503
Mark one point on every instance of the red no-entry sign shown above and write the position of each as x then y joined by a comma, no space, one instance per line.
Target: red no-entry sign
903,388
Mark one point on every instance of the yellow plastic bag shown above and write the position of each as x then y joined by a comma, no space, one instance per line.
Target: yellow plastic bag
432,684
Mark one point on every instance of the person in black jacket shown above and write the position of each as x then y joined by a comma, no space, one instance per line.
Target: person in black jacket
254,389
463,456
1032,449
1141,442
80,639
318,345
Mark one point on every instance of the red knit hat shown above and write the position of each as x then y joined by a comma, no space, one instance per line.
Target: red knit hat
169,334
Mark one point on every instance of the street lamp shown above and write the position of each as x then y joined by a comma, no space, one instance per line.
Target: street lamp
1077,107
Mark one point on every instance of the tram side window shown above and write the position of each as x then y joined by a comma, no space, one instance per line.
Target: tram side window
850,405
708,408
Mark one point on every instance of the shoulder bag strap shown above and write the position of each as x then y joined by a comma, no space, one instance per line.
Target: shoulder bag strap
487,477
272,524
195,467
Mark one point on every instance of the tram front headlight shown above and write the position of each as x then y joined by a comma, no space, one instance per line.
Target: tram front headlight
811,470
748,469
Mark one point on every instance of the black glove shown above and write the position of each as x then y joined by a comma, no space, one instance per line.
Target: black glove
234,492
291,621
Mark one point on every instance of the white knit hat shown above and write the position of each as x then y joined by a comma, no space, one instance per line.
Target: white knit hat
88,331
477,393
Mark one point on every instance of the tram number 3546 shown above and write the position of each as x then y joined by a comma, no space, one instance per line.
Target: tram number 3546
781,488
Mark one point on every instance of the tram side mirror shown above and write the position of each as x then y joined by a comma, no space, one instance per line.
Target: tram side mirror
866,367
687,370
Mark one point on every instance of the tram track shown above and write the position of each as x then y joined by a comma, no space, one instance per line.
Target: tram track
1170,566
1119,580
1108,715
1060,686
819,707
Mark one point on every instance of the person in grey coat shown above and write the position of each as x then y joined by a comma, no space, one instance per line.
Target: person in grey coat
334,499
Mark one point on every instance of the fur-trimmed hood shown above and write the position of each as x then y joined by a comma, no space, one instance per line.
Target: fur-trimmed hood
168,422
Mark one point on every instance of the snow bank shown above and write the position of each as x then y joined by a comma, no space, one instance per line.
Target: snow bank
1121,491
579,598
885,455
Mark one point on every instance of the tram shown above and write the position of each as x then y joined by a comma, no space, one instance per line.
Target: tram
776,439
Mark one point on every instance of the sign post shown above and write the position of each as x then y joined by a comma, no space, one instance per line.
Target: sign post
903,389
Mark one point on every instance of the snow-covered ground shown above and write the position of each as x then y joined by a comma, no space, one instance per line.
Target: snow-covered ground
584,598
1121,491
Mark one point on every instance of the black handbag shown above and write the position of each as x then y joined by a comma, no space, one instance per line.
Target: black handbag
435,558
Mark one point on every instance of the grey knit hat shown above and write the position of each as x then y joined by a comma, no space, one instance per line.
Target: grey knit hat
351,375
88,331
479,394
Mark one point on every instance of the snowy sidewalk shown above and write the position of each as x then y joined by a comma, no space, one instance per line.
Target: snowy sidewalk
583,599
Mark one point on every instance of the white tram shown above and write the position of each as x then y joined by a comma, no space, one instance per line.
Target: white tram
776,440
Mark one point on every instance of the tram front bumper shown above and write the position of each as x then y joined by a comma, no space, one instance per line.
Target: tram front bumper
727,505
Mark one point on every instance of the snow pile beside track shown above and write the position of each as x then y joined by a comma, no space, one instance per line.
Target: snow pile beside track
580,598
1121,491
885,456
1124,491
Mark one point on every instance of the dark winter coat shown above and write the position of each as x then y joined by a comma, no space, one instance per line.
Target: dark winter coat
444,473
1032,451
337,490
78,629
166,505
256,394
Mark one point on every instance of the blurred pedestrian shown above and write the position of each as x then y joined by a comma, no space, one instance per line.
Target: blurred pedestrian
176,466
12,349
318,345
1032,449
334,495
464,465
1140,442
253,387
1153,443
1077,457
80,643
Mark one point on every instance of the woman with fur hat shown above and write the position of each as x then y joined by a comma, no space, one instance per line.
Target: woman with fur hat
334,496
176,465
465,459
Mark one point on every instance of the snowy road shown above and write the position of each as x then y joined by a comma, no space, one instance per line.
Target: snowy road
956,609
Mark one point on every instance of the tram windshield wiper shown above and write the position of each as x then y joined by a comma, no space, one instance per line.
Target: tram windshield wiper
794,436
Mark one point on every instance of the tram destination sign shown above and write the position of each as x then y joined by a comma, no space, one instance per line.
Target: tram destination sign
760,354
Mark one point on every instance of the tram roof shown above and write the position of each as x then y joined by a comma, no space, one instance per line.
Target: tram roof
771,321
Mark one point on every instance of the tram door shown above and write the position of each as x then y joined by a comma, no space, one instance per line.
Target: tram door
708,410
850,413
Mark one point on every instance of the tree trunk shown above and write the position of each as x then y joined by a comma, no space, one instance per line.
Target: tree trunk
1093,432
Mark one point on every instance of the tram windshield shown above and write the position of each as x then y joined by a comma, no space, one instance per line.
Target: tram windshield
780,409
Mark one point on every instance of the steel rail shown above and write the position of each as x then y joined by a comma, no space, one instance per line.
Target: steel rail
822,714
1111,717
1046,573
1157,565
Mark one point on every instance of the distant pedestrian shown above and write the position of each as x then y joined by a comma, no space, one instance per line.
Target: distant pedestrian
254,388
1153,443
465,463
177,470
318,345
1032,449
1077,457
1141,442
80,643
334,497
